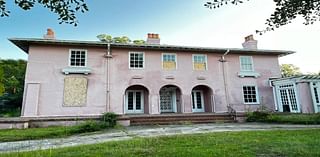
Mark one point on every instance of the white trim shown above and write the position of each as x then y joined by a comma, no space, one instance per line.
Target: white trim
134,103
176,60
251,59
86,57
144,60
257,95
202,101
173,99
279,101
315,104
206,61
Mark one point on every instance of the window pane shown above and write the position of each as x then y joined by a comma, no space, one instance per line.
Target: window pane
249,94
136,60
78,58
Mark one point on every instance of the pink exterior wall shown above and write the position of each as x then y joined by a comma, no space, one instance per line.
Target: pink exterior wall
305,99
44,67
45,64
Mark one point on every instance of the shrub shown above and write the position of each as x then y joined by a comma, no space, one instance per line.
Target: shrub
257,116
88,126
292,118
109,119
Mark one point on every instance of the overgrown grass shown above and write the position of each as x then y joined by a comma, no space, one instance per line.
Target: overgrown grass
108,121
293,118
298,143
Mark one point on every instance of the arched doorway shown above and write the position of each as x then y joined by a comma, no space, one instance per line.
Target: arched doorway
170,99
136,100
202,99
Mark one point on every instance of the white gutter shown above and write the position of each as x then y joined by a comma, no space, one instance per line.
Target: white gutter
222,60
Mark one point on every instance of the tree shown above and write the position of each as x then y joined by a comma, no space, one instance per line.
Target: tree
65,9
1,82
285,12
123,40
289,70
13,81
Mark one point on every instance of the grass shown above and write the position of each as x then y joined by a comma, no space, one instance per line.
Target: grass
49,132
292,118
248,143
108,120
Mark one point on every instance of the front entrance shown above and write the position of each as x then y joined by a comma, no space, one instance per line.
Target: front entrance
288,99
168,99
134,101
315,90
197,101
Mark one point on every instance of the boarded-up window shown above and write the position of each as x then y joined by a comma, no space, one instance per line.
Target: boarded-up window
169,61
75,91
199,62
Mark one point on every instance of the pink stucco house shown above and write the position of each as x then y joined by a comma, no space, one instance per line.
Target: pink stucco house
76,78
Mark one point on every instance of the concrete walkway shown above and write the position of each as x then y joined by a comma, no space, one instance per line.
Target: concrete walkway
142,131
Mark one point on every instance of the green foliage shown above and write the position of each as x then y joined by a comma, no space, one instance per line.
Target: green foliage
289,70
13,81
257,116
122,40
139,42
296,118
285,12
1,82
88,126
276,143
109,119
10,112
66,9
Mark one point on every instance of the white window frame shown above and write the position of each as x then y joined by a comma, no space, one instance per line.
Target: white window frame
134,105
206,61
257,95
143,57
252,65
195,101
86,57
176,60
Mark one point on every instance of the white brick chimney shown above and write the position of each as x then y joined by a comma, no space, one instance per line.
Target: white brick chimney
250,43
153,39
50,34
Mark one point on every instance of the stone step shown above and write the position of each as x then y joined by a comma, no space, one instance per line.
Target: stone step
179,118
181,122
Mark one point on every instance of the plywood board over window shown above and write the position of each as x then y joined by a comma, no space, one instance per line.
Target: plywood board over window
75,91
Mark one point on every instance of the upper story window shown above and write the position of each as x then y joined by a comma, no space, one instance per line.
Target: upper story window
136,60
199,62
246,63
250,95
169,61
78,58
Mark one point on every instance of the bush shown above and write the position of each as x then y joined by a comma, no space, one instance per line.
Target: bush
291,118
109,119
88,126
257,116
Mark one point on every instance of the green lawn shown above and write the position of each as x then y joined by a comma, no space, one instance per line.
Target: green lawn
50,132
248,143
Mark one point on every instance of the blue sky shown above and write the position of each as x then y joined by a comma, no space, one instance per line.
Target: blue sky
178,22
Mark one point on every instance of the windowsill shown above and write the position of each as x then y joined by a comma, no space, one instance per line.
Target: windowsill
248,74
252,103
76,70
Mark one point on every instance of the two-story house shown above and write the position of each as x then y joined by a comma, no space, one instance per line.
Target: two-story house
72,78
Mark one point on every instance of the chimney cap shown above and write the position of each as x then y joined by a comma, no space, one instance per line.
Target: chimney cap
50,34
249,38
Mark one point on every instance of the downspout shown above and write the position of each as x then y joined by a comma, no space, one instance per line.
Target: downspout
222,60
108,55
